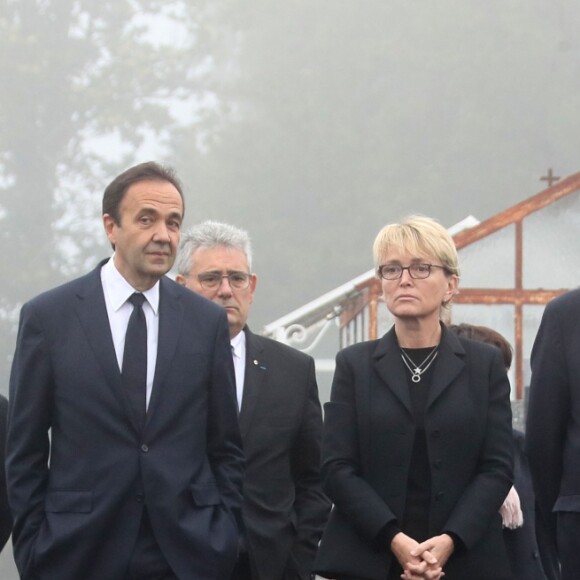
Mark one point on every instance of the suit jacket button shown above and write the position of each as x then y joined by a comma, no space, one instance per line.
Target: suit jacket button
139,498
144,448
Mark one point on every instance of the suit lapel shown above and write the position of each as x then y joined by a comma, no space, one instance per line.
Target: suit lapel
391,369
254,378
92,312
449,364
170,321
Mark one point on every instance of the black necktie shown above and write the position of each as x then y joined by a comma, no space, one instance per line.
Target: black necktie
135,359
235,381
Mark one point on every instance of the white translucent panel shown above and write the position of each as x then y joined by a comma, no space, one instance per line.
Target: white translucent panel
500,317
385,319
551,256
532,316
489,262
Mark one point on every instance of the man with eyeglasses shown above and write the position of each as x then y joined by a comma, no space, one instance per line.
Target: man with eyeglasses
284,508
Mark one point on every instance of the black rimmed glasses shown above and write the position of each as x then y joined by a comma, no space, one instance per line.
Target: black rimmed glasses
213,280
416,271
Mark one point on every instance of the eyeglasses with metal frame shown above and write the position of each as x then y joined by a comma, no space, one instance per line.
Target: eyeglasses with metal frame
416,271
213,280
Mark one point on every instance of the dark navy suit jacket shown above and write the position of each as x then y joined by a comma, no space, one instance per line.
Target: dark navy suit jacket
78,469
553,421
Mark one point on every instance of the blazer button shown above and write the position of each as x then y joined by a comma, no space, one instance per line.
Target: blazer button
144,448
139,497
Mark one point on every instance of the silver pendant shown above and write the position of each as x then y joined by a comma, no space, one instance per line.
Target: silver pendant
416,377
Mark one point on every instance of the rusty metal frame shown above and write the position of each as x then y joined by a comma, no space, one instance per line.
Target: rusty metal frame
370,291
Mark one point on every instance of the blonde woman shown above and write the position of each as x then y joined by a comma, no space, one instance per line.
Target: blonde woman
417,444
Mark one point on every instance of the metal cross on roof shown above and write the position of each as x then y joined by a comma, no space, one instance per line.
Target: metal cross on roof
550,178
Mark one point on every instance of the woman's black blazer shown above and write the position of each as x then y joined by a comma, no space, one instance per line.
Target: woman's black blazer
368,442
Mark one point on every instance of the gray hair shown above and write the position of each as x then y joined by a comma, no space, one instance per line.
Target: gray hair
211,234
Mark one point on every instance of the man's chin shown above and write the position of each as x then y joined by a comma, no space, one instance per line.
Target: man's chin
160,265
234,320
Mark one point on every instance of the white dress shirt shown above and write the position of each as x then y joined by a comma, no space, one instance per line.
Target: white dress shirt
117,292
239,355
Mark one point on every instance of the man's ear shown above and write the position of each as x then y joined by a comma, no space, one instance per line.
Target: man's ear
253,284
180,279
109,225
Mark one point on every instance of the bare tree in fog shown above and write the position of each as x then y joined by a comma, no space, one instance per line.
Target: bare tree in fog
86,86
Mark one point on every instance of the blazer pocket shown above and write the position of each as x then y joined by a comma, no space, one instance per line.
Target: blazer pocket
205,494
80,502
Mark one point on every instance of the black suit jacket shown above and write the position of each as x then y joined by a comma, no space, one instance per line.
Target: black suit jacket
284,508
553,421
367,448
77,514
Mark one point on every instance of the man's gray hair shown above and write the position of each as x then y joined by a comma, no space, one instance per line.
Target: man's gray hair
211,234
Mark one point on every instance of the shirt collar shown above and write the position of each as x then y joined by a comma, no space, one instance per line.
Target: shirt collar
239,344
119,290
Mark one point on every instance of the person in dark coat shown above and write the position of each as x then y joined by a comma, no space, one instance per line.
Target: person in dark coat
417,451
528,552
284,508
553,428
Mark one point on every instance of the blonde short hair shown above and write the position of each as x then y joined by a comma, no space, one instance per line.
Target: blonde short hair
420,236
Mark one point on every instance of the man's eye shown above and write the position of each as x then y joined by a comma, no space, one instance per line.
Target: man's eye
210,279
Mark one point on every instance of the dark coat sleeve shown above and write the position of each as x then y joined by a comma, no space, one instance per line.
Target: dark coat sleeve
548,411
284,507
224,444
342,465
310,505
483,495
5,515
28,444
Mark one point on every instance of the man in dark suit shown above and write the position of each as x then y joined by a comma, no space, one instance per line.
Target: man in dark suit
124,457
284,509
553,427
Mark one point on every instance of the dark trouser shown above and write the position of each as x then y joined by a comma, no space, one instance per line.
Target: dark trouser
242,570
569,544
147,561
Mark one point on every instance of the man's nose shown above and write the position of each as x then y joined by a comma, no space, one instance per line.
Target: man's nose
224,287
161,232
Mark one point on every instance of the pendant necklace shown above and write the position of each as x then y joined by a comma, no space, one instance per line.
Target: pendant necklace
415,369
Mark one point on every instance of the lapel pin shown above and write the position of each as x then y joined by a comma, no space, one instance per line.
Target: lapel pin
261,367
